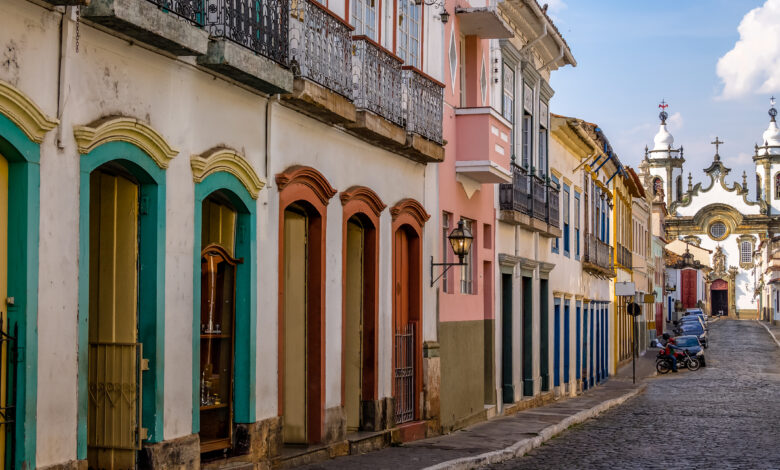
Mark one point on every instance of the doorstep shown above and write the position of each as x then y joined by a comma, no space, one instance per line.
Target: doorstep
297,455
407,432
362,442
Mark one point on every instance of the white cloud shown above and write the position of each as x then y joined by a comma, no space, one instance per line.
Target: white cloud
753,64
675,121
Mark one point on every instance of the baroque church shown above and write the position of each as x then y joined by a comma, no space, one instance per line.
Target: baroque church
723,218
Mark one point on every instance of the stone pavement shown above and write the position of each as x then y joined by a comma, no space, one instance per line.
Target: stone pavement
725,415
500,438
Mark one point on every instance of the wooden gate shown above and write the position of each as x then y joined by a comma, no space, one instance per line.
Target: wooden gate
114,396
404,374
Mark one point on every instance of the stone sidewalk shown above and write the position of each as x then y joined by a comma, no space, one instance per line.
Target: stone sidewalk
505,437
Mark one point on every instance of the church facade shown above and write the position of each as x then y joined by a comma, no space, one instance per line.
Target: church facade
720,217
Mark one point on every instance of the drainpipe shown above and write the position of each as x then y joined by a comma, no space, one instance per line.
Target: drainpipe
559,57
66,28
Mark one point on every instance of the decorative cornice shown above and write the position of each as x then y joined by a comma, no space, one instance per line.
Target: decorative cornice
125,129
545,268
362,193
411,207
23,112
505,259
309,177
228,161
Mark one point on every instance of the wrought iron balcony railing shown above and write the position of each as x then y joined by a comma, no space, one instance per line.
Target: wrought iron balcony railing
554,206
259,25
423,105
514,196
624,257
191,10
598,255
538,199
377,80
321,46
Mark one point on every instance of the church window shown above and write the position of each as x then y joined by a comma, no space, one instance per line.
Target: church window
679,188
745,252
758,187
777,186
718,230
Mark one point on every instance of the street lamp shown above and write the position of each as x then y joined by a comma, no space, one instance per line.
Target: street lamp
460,240
444,16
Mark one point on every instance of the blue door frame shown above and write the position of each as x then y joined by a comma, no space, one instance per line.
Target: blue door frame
605,342
578,341
591,358
557,344
566,336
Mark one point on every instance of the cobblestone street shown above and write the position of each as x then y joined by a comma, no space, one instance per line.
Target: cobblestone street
722,416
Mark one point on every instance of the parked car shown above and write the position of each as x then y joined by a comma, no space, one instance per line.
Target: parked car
697,312
693,328
693,319
693,345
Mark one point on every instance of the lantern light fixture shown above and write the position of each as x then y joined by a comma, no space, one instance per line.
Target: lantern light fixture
460,241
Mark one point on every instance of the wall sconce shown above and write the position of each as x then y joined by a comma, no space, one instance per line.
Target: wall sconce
445,17
460,240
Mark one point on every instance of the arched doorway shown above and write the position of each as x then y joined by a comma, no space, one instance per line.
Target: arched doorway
303,198
360,292
719,297
406,324
115,352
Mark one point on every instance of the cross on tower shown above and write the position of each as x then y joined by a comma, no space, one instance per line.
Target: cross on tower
717,143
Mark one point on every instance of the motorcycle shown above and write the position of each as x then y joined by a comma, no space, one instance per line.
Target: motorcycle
684,359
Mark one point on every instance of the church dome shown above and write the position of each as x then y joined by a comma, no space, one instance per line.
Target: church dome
771,134
770,140
663,140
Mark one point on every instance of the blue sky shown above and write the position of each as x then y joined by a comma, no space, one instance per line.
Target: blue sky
631,54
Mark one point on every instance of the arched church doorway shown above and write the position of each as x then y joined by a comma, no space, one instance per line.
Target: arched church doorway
719,297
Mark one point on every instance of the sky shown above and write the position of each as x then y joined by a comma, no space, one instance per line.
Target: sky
715,62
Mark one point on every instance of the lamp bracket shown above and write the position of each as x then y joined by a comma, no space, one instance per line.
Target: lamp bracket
447,267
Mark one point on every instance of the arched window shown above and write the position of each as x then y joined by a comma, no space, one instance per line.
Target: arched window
777,186
679,188
758,187
658,186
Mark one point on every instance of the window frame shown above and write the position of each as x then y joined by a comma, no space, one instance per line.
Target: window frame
467,270
403,33
359,21
577,225
566,203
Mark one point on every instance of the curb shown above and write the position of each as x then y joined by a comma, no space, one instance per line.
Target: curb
520,448
770,333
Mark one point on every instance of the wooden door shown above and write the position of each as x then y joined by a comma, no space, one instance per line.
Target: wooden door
113,426
295,327
405,353
689,288
3,295
353,328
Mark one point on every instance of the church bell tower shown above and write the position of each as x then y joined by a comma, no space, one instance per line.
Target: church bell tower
665,162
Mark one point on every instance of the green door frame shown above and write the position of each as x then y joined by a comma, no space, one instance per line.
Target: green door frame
24,182
151,277
245,369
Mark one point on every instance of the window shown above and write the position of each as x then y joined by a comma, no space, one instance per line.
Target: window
566,200
758,187
364,18
746,252
467,270
508,104
777,186
576,225
446,225
555,244
409,33
679,188
527,139
462,70
542,169
718,230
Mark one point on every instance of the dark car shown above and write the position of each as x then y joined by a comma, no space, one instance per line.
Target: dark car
693,319
697,312
693,328
693,345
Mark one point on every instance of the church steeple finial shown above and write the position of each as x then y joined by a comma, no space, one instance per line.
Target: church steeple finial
690,181
772,110
663,115
717,143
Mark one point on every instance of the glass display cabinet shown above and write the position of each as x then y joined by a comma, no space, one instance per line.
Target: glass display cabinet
217,328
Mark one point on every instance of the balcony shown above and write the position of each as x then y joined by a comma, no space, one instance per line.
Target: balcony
248,42
624,258
598,257
483,145
423,108
321,60
377,90
154,22
530,203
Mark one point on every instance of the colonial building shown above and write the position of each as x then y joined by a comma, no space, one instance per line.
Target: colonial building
720,217
479,147
584,264
218,216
